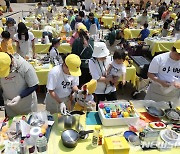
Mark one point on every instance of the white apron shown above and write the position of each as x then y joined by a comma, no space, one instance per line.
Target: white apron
12,86
53,107
156,93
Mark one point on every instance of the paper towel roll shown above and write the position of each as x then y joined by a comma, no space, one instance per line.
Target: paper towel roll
35,131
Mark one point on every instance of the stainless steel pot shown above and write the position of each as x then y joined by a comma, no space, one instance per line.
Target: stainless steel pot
70,121
70,137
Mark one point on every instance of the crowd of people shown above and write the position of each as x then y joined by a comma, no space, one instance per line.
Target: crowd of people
91,71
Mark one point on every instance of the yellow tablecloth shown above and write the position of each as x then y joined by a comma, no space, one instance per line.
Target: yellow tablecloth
84,146
130,75
37,33
42,75
53,23
135,32
30,18
43,48
107,21
159,46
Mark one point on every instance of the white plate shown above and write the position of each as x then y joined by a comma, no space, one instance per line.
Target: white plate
155,127
164,138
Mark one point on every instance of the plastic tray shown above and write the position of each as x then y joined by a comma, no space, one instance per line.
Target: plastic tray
117,121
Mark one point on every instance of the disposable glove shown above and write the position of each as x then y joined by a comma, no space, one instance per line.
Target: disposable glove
14,101
63,108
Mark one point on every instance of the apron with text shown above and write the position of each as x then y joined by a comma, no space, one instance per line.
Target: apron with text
156,93
12,86
53,107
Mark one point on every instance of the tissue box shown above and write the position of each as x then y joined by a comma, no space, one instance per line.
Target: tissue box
116,145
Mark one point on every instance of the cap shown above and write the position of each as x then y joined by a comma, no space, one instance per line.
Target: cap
10,20
40,135
39,16
75,9
55,40
97,127
5,62
91,86
65,19
49,8
28,136
100,50
81,27
173,15
170,8
177,46
3,20
73,63
70,8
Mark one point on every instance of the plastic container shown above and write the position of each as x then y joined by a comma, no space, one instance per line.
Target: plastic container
30,143
95,137
117,121
22,147
41,144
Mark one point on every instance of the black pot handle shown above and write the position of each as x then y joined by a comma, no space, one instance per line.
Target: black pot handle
82,133
170,104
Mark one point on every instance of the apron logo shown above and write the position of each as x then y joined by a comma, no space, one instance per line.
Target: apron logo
66,84
10,78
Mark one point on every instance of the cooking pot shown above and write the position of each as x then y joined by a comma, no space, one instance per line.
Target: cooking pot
70,121
70,137
155,112
172,114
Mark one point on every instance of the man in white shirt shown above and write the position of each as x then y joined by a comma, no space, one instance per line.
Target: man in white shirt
62,80
164,71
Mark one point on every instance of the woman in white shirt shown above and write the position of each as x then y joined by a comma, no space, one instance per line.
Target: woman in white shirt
98,66
55,57
24,42
62,80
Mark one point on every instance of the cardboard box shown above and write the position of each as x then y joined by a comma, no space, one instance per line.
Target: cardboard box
116,145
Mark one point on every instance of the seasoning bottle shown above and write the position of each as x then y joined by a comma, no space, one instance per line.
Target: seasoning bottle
96,136
100,138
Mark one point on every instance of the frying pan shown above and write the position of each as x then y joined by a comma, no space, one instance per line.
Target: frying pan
172,114
155,112
70,137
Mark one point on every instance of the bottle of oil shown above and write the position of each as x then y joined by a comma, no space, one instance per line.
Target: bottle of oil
96,136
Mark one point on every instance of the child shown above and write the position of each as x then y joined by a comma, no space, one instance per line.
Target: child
84,98
66,27
6,43
144,33
49,14
55,57
54,7
10,27
37,23
117,69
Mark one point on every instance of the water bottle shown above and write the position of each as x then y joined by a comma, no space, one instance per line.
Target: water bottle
41,144
22,147
30,143
95,136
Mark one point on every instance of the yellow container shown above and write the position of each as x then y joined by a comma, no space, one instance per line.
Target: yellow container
116,145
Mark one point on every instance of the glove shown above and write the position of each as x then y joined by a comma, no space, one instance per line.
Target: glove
14,101
63,108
